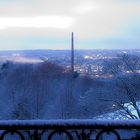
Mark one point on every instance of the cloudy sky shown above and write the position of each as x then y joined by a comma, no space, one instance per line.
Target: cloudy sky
47,24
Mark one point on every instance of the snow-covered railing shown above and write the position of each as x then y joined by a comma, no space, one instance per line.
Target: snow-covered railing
69,130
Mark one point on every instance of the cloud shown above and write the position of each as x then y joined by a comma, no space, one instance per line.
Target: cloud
85,8
36,22
102,20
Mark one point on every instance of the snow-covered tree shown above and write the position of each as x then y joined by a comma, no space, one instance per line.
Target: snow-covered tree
125,70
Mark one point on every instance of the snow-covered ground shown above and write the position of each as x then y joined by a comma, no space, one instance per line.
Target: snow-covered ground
120,114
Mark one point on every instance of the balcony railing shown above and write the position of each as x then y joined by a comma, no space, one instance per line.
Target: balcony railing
69,130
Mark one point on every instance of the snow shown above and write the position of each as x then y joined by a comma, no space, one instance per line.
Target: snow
116,115
73,122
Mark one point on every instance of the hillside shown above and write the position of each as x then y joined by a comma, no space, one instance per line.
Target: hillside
47,91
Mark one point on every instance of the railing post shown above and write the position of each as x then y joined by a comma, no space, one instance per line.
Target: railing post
36,135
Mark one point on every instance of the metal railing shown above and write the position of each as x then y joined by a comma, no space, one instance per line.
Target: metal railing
69,130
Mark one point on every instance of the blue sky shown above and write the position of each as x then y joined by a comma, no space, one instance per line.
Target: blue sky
47,24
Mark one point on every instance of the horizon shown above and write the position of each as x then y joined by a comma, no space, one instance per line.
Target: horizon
70,50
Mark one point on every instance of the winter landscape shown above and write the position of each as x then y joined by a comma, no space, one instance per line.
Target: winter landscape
39,84
69,69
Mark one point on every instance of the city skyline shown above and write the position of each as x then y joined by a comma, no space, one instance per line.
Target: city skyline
47,24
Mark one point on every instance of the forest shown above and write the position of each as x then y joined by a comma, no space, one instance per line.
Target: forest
49,91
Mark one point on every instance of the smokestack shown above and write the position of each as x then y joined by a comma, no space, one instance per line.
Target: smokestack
72,52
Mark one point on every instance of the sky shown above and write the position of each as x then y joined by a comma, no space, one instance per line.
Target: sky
47,24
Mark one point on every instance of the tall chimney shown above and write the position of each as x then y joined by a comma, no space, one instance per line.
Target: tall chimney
72,53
